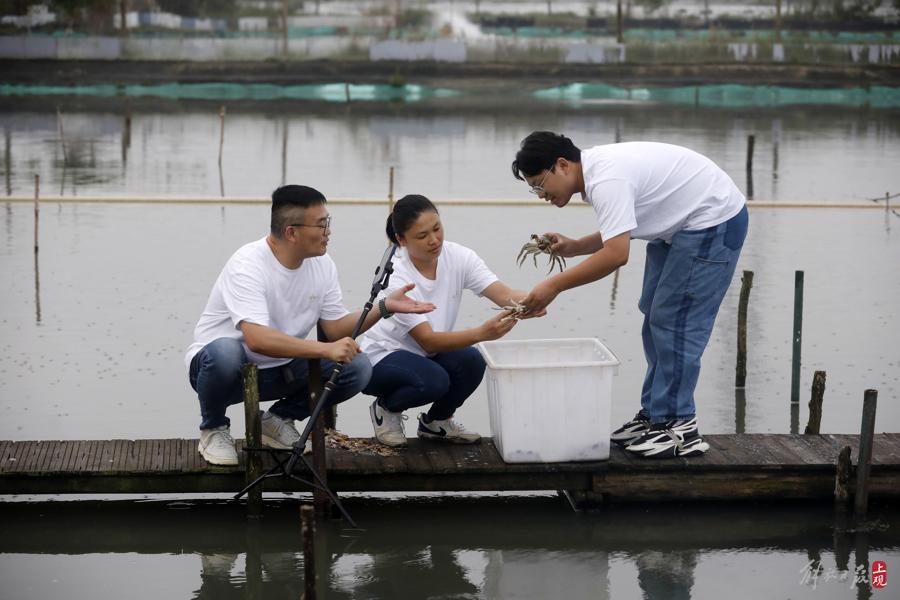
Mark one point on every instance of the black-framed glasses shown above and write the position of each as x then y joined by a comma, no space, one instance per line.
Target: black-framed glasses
325,225
538,189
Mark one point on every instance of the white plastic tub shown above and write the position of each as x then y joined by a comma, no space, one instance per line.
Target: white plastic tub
550,400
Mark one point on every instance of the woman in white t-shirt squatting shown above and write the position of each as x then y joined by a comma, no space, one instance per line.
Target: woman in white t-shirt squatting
419,359
695,220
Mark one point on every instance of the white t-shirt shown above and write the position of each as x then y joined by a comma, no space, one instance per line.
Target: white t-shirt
458,268
655,190
254,287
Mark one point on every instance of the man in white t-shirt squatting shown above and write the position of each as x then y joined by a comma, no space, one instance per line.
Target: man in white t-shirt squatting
695,221
268,297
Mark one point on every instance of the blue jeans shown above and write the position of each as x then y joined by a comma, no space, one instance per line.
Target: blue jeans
215,375
402,380
684,283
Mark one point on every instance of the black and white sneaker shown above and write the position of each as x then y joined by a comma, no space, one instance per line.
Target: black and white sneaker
631,430
445,430
670,439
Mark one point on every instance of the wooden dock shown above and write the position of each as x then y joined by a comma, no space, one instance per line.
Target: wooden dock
737,467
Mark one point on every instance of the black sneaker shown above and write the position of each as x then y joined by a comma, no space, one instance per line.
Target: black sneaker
671,439
631,430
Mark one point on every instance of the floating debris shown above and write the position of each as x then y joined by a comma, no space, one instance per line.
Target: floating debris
336,439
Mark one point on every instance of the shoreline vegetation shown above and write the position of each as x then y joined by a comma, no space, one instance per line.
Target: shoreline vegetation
470,76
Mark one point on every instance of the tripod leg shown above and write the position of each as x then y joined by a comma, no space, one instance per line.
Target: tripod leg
334,498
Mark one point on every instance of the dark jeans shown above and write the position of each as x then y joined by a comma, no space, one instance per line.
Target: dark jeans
216,377
402,380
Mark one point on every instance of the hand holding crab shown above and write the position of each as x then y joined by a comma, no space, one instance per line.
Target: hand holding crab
541,244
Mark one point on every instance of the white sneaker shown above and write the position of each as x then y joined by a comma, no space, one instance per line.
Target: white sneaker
388,425
278,433
217,446
446,430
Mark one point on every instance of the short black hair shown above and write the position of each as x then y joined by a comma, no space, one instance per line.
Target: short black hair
291,196
540,150
405,212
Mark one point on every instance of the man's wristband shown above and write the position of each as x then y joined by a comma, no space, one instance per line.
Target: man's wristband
382,308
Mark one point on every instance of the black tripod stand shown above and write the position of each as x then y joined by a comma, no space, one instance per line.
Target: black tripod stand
284,468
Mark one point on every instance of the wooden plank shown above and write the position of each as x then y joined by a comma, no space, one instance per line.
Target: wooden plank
106,456
79,453
5,449
716,456
817,450
96,455
800,446
59,457
121,457
19,457
132,456
46,451
731,452
764,452
31,456
440,461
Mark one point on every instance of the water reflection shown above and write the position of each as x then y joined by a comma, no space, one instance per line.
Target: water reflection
829,154
448,548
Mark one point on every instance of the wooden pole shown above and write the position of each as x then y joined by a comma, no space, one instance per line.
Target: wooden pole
842,477
815,404
284,29
252,438
887,201
126,138
7,160
864,459
751,141
62,136
37,275
740,375
740,410
253,568
797,336
123,15
620,26
391,191
841,537
778,21
221,148
308,533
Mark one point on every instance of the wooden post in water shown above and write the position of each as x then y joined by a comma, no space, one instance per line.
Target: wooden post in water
842,478
62,136
815,403
308,533
123,15
797,336
391,191
887,202
221,147
284,29
252,437
740,376
864,459
751,141
37,220
620,29
841,536
778,21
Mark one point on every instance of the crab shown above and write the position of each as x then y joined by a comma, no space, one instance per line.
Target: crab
516,310
540,244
